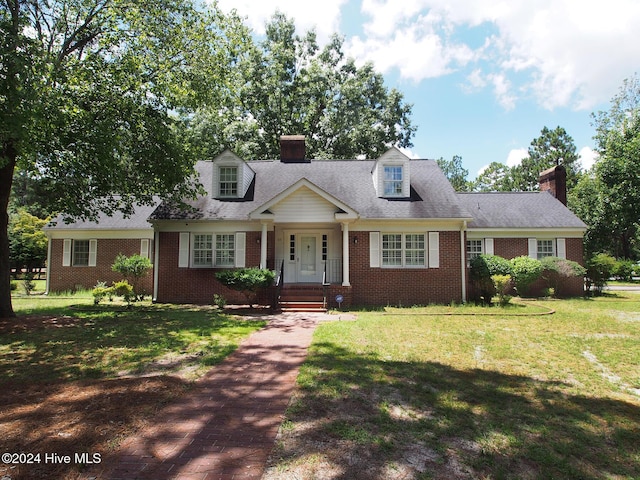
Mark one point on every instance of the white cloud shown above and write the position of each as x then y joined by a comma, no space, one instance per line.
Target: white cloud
516,156
323,16
587,157
560,53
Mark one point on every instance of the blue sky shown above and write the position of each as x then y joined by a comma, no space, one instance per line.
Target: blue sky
484,76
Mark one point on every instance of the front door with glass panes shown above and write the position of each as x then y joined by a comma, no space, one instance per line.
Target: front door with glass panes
305,257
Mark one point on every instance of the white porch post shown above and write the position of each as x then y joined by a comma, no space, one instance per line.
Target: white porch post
345,255
263,246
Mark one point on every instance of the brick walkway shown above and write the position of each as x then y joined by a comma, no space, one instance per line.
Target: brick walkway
225,428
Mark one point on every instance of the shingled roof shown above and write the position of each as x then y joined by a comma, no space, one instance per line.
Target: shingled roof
518,210
139,220
349,181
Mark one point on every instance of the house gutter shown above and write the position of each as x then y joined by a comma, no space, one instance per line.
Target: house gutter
463,262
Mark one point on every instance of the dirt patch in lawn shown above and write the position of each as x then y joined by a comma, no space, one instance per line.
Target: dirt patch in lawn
43,423
75,419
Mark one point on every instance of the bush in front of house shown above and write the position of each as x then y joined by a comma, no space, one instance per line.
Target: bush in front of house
524,271
503,286
600,268
556,271
133,269
249,281
482,268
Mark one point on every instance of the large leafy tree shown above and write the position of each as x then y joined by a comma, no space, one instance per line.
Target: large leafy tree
455,173
90,92
551,148
292,86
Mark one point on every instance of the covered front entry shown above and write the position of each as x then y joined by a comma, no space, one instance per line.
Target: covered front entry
306,256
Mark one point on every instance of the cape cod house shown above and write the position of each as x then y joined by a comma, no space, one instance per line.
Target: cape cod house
376,232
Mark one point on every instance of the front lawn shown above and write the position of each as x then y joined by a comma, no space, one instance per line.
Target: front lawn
79,378
414,394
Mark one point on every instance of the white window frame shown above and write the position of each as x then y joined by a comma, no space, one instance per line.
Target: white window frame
228,186
214,250
402,248
75,251
541,251
390,182
474,252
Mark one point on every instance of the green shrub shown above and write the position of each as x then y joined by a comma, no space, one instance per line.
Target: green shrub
27,283
132,268
249,281
125,290
599,270
219,301
623,270
525,271
503,286
100,291
557,270
14,286
482,268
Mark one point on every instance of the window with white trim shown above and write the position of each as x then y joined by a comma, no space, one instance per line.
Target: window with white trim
225,250
393,181
213,250
403,250
80,253
203,250
228,181
474,249
545,249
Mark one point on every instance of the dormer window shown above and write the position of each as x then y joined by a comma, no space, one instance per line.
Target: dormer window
393,181
228,181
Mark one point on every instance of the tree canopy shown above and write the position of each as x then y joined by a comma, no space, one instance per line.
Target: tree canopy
289,85
90,97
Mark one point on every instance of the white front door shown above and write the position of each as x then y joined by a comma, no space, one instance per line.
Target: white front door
308,265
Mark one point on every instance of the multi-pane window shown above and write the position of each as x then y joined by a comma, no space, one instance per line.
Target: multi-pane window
225,250
414,250
203,250
392,181
474,249
403,250
228,181
545,249
392,250
80,253
325,247
213,250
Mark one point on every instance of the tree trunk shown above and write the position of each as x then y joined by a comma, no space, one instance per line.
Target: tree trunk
8,155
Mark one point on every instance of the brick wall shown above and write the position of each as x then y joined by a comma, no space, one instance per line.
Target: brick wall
405,286
73,278
198,285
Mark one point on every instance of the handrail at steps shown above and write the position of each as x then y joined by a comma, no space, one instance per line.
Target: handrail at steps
279,283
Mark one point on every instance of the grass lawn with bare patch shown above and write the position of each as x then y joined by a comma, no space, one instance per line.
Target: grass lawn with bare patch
78,378
448,393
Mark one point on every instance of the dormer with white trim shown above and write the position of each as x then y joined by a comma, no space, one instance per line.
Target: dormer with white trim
391,175
231,176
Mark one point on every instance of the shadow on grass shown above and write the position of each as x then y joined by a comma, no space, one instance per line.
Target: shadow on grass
362,417
76,342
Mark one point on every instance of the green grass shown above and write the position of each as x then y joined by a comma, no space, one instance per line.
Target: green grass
422,395
87,341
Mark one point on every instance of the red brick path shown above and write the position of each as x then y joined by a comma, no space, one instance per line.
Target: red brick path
225,428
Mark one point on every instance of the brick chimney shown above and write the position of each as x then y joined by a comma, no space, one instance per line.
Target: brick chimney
292,149
554,180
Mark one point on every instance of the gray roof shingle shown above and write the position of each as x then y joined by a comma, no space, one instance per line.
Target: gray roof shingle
349,181
139,220
518,210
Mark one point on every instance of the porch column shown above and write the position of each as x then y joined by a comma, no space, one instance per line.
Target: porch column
345,255
263,246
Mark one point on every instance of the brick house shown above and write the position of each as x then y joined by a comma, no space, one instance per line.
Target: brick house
376,232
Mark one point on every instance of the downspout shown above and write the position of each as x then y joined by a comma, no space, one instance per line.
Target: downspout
463,261
156,266
48,277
